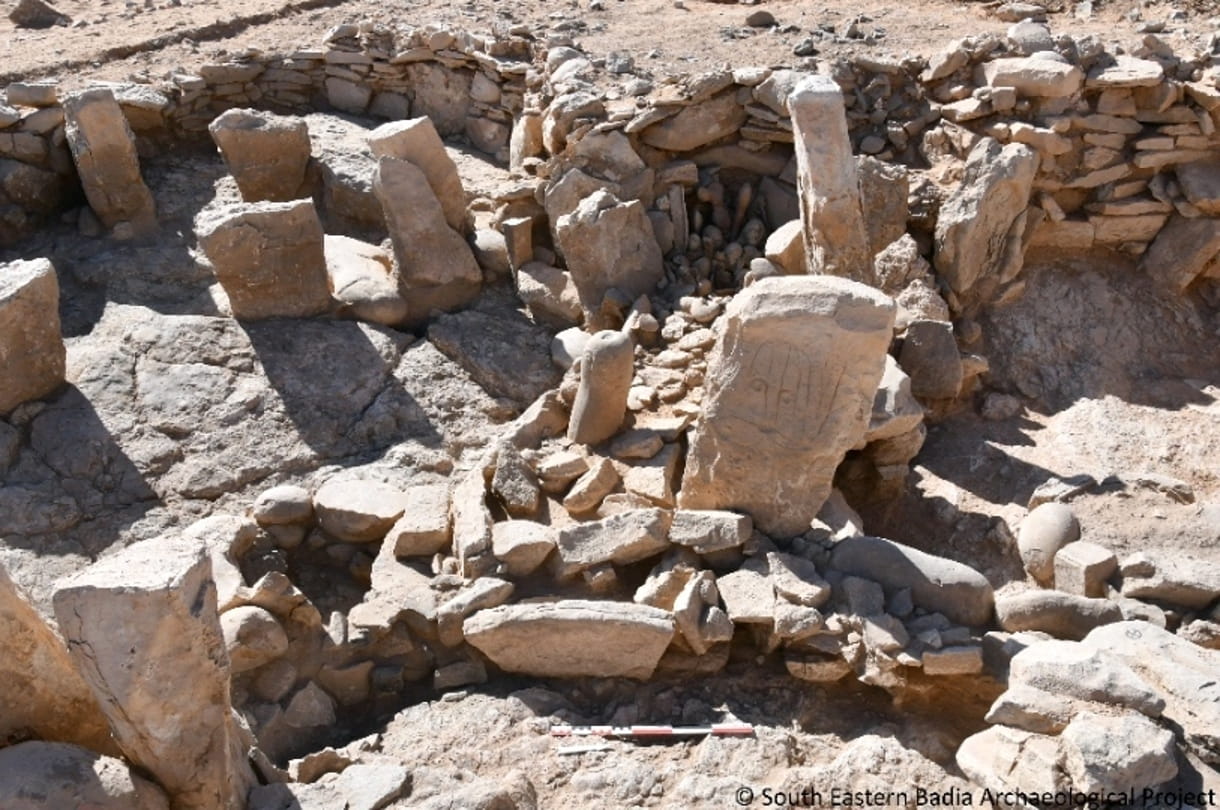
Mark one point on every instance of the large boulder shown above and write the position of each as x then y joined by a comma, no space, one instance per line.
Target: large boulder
573,638
269,257
142,627
1063,615
790,388
609,245
417,141
981,228
936,583
104,150
1076,670
1181,251
266,153
39,775
32,354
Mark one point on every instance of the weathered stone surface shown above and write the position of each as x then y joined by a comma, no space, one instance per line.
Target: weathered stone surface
1200,183
358,511
705,531
698,124
1082,568
1032,709
836,241
44,694
937,584
963,659
32,353
253,637
1105,754
1034,76
436,268
790,386
883,194
895,410
424,527
104,150
478,594
929,355
1126,71
416,140
605,377
143,629
1003,758
587,491
1078,670
362,281
981,227
573,638
749,593
522,545
340,148
56,776
1181,673
1184,580
1063,615
1181,251
785,247
550,294
1045,530
36,14
514,482
269,258
283,504
623,538
265,153
607,245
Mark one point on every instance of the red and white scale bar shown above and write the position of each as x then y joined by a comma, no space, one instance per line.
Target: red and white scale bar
656,732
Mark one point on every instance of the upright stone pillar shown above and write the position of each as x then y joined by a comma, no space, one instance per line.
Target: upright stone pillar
32,354
417,141
104,150
143,628
605,378
790,387
836,241
266,153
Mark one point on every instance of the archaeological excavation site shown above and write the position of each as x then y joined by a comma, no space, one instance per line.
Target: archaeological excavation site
609,404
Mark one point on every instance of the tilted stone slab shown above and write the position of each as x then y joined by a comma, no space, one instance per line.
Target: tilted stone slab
573,638
626,537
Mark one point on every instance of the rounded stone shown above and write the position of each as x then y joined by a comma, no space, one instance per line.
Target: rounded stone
253,637
1044,531
283,504
358,511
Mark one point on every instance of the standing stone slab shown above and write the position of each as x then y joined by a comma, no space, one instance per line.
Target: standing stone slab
436,269
836,241
32,353
1181,251
43,692
609,245
269,257
104,150
605,378
790,387
417,141
573,638
265,153
142,627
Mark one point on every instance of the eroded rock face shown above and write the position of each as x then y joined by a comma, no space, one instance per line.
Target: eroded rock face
143,629
31,348
269,257
53,776
790,388
265,153
105,153
573,638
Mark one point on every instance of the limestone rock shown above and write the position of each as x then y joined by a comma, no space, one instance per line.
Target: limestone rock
1082,568
253,637
607,245
104,150
883,194
1063,615
522,545
1200,183
424,527
282,505
33,356
790,386
143,629
1032,709
1181,673
573,638
358,511
1003,758
269,258
981,227
601,398
1080,671
265,153
436,268
626,537
895,410
514,482
749,593
785,247
929,355
550,294
1034,76
836,241
416,140
56,776
1105,754
588,490
937,584
1181,251
697,125
1178,579
362,281
339,147
705,531
1045,530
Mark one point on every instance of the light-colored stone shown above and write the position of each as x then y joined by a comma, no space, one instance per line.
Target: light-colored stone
32,353
38,775
836,241
416,140
362,281
623,538
1103,754
1082,568
1045,530
424,527
104,150
283,504
1076,670
785,247
749,593
601,398
1179,579
705,531
895,410
1062,615
697,125
1034,76
269,258
253,637
522,545
607,245
1200,183
588,490
358,511
550,294
143,629
265,153
573,638
936,583
790,386
929,355
1181,251
1126,71
963,659
1003,758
